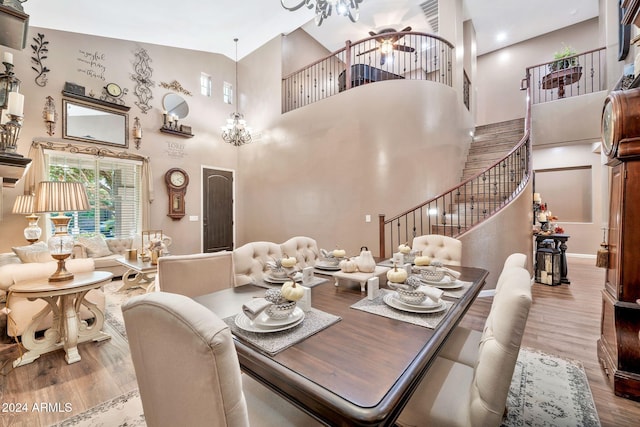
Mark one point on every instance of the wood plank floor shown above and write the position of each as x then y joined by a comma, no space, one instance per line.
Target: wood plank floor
564,320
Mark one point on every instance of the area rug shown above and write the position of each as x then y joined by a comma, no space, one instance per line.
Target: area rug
546,390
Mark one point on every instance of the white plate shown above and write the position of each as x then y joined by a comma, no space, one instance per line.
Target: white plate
244,323
327,267
391,301
264,321
281,280
426,304
447,282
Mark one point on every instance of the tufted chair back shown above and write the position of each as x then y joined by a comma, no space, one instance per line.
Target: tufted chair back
250,261
195,274
515,260
445,249
499,349
305,249
185,362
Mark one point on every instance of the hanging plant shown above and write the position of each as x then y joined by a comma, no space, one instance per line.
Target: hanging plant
40,50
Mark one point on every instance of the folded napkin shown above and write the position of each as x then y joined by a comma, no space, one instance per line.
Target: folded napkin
253,308
453,273
432,292
297,277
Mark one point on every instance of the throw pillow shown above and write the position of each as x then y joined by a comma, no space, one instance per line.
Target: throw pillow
38,252
96,246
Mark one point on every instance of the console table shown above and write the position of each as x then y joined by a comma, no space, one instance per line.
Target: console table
64,300
560,243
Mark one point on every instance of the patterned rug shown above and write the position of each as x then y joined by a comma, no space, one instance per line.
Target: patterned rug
545,391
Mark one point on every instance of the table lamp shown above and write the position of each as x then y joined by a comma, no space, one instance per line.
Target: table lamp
61,197
24,205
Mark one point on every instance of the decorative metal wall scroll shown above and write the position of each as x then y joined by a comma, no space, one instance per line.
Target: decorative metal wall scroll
142,77
176,87
40,49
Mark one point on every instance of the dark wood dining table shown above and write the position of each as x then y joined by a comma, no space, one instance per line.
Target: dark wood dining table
359,371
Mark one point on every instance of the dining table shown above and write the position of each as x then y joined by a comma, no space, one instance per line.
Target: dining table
360,370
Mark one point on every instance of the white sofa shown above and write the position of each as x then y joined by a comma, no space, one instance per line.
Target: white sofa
21,309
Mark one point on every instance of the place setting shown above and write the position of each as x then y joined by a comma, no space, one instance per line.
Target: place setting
280,319
408,299
284,269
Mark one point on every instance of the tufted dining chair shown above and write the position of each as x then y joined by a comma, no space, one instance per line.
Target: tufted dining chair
445,249
250,261
195,274
305,249
187,368
462,344
453,394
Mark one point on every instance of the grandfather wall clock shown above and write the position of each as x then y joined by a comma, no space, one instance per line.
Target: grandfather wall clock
619,343
177,181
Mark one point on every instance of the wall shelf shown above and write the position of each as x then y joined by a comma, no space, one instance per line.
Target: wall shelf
176,133
95,101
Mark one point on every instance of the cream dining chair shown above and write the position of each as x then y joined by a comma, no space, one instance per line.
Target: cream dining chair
462,345
195,274
445,249
454,394
188,372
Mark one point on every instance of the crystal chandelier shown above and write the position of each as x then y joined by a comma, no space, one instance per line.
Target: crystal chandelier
236,131
324,8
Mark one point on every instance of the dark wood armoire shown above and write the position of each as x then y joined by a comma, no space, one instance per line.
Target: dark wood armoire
619,343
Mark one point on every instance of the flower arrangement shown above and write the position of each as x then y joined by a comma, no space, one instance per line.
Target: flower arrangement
560,61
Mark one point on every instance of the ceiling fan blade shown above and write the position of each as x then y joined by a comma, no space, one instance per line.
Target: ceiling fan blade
403,48
367,51
405,30
372,34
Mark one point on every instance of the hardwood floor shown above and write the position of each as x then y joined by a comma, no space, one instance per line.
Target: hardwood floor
564,320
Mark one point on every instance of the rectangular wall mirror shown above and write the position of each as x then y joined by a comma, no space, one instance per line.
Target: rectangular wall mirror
89,123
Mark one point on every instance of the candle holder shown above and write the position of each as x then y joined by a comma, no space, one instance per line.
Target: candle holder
50,115
9,134
137,132
8,83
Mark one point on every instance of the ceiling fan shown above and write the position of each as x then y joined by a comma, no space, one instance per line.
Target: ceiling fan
388,39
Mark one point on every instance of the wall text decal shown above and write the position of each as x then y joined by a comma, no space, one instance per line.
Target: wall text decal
92,64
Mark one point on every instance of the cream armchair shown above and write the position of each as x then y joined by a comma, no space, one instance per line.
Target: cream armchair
305,249
22,311
250,261
445,249
196,274
453,394
187,368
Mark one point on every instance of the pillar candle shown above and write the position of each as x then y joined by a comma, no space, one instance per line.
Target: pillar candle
7,57
536,197
137,133
16,103
50,117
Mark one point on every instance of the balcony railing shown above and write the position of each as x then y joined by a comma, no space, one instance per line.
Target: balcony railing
414,56
567,77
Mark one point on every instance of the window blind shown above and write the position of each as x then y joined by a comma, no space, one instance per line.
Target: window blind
113,188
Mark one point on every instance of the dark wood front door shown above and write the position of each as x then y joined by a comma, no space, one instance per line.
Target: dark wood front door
217,215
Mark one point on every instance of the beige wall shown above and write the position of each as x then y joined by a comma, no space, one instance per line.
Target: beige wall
500,72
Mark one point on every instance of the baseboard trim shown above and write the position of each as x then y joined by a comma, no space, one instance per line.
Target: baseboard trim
585,256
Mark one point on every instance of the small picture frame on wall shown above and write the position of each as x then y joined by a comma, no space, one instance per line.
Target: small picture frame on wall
74,88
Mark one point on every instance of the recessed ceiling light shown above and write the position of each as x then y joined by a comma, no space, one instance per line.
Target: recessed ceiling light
501,36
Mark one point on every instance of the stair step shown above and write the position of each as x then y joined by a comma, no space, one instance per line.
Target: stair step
512,134
497,127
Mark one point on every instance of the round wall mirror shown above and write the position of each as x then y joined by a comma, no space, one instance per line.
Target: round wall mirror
175,105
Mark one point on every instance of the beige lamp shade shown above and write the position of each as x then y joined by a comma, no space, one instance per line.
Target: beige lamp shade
23,204
61,196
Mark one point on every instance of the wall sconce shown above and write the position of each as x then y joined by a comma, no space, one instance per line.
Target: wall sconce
50,116
137,132
10,130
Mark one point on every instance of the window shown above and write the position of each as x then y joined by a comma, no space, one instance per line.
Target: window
113,187
205,84
227,93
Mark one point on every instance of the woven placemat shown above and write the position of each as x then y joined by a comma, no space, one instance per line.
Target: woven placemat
274,342
457,292
378,306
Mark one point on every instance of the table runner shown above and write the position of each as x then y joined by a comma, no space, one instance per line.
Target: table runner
274,342
314,282
378,306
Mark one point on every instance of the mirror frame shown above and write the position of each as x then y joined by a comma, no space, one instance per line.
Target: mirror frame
65,121
184,101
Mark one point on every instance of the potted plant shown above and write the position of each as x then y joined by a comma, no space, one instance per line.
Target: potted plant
560,59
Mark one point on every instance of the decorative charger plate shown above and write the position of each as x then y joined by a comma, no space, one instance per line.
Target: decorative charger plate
328,267
264,324
391,300
447,282
424,305
281,280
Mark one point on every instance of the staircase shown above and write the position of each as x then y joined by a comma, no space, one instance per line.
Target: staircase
478,199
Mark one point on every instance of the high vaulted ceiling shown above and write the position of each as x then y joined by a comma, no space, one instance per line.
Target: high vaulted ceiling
211,26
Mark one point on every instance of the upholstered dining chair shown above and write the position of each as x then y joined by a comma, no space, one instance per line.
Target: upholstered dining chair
250,261
188,372
305,249
195,274
462,344
445,249
453,394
